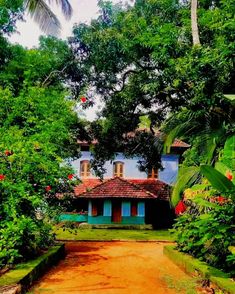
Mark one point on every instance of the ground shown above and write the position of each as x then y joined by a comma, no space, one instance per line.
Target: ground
115,268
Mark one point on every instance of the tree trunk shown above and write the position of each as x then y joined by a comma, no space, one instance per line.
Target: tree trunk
195,32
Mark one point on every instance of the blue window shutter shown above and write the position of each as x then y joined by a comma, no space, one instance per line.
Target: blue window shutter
107,208
141,209
126,208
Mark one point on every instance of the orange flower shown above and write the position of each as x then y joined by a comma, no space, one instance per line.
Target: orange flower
8,152
229,175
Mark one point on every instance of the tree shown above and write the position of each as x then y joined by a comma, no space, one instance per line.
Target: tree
42,14
195,32
36,130
154,70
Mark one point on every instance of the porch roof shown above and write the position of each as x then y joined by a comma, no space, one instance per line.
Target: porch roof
123,188
117,188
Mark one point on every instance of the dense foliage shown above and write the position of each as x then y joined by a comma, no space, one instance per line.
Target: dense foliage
35,134
140,60
38,129
207,235
207,229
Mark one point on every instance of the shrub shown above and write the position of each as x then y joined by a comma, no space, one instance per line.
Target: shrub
208,234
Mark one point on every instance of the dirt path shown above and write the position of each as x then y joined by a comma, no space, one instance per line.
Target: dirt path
115,267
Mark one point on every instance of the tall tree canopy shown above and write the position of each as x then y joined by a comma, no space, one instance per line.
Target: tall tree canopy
141,60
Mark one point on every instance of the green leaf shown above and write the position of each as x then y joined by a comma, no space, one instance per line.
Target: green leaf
187,176
217,180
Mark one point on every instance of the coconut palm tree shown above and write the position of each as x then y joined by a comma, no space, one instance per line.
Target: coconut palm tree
194,24
42,14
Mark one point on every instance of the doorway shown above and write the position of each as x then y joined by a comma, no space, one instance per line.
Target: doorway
116,212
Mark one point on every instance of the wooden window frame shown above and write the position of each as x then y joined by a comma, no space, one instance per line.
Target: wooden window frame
85,169
118,169
153,173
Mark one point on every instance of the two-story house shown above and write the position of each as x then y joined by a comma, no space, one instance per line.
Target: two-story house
126,195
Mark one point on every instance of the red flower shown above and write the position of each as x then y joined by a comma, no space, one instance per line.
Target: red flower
70,176
229,175
180,207
8,152
48,188
83,99
221,199
2,177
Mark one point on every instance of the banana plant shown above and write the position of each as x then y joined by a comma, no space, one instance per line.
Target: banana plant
218,181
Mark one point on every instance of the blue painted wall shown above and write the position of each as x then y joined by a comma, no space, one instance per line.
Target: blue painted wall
126,208
106,218
73,217
107,207
168,174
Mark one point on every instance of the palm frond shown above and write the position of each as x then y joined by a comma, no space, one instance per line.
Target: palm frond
187,177
66,7
43,16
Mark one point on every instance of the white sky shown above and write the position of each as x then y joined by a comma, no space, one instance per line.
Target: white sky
83,11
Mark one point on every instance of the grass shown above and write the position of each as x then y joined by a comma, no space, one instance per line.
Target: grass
187,286
192,265
111,234
26,272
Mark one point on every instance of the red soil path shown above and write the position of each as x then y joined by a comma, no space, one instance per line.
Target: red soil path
114,267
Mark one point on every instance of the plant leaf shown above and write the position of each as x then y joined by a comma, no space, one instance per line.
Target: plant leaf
187,176
217,180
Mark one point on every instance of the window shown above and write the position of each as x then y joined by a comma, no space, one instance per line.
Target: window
118,168
85,169
153,173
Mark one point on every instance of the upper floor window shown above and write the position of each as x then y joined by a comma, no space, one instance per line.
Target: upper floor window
153,173
85,169
118,169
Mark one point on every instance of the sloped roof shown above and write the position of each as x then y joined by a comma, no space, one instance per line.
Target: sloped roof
120,188
86,185
177,143
117,188
154,186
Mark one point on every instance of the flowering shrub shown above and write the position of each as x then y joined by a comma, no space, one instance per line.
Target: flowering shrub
208,234
34,131
207,228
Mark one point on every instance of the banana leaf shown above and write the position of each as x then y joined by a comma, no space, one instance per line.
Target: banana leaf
217,179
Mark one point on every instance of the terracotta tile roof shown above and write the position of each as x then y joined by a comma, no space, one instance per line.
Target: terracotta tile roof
123,188
86,185
117,188
176,143
179,143
160,189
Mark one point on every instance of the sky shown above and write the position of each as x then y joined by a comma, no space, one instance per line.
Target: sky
28,31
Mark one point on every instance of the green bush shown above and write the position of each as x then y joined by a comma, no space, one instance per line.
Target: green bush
22,238
207,235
